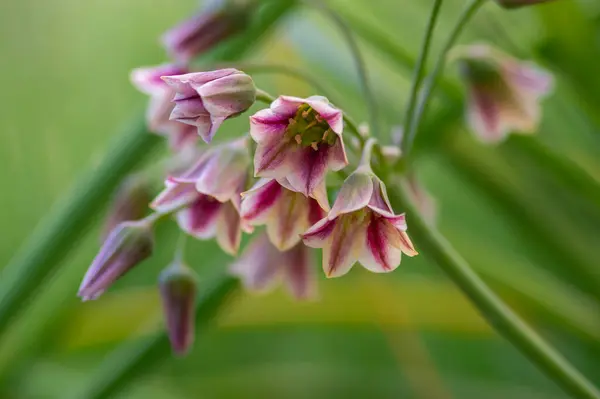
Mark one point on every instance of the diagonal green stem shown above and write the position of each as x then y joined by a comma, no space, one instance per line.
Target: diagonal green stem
419,72
497,313
465,17
131,361
57,236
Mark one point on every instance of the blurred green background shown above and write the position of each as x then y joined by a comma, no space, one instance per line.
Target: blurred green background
530,227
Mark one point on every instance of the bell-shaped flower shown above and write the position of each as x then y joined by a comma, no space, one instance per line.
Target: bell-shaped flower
361,226
503,93
219,20
148,81
129,202
262,267
298,139
127,245
206,197
206,99
178,289
285,212
519,3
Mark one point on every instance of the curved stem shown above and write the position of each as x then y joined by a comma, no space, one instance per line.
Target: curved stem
419,72
358,61
465,17
497,313
365,159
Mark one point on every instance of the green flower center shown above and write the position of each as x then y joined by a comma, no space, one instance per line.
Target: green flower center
309,129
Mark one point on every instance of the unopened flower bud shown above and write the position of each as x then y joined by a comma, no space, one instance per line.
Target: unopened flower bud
519,3
219,20
130,202
127,245
178,289
206,99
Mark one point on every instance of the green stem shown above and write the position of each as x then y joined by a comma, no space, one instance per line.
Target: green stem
497,313
419,72
131,361
40,255
429,87
359,62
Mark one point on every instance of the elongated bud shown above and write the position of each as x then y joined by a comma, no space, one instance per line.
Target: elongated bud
130,202
219,20
126,246
178,289
519,3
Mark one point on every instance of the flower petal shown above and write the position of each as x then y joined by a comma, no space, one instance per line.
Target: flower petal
258,267
200,218
274,158
355,194
259,201
484,116
289,219
317,235
228,95
331,114
174,196
344,246
337,155
265,124
287,106
229,233
379,201
308,169
381,251
299,272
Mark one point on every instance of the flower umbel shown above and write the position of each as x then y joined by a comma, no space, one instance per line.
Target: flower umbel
299,140
285,212
262,266
206,99
178,294
219,20
126,246
361,226
148,80
503,93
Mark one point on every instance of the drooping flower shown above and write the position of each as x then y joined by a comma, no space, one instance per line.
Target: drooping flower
129,202
178,289
219,20
298,139
207,196
285,212
127,245
519,3
503,93
206,99
262,266
362,227
148,81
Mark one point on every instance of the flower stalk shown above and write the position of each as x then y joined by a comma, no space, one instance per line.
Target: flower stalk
497,313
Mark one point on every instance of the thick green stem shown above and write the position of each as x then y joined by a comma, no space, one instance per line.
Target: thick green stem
429,87
497,313
58,235
131,361
419,72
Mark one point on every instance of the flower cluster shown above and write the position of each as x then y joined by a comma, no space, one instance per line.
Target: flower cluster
276,175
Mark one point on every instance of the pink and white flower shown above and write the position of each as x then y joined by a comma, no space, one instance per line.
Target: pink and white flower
285,212
148,80
206,99
362,227
207,196
262,267
503,93
298,139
